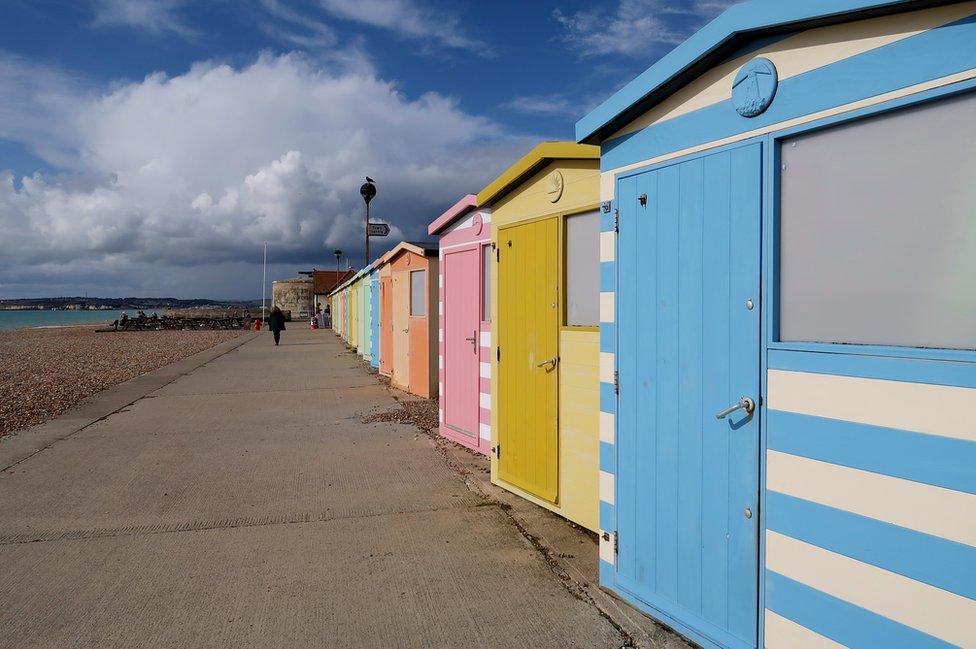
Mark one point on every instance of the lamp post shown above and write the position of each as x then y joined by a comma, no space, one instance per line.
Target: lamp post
367,191
338,254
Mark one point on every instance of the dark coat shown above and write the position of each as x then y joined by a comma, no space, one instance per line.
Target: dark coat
276,321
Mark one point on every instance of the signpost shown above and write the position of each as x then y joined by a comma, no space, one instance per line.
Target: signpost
367,191
377,229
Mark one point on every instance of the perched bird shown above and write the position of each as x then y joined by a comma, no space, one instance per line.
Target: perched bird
369,180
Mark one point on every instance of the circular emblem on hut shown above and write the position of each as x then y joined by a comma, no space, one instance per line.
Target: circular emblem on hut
477,223
755,87
554,186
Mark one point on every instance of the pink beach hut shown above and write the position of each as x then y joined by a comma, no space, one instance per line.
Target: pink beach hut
465,327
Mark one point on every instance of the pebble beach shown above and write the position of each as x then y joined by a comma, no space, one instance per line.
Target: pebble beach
44,372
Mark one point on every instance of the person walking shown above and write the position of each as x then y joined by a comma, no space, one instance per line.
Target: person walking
276,323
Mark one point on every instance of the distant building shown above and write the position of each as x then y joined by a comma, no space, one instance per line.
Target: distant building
324,282
294,295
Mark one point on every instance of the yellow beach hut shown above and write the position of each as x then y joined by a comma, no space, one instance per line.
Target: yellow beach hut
353,333
545,300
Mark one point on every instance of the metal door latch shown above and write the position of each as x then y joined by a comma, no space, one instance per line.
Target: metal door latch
553,362
745,403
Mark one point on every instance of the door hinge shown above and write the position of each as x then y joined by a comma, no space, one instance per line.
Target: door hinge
616,382
498,451
498,255
498,353
616,542
616,221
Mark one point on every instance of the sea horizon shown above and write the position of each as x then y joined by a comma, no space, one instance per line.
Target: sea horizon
50,318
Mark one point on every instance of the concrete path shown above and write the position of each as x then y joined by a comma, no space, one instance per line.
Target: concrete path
243,503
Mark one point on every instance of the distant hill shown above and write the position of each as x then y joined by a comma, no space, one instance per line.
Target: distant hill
114,303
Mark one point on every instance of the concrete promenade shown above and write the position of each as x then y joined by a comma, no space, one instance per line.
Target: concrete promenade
236,499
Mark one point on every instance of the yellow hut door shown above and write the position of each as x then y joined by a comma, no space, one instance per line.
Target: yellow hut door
528,356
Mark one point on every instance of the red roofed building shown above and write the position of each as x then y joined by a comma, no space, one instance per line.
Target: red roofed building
324,282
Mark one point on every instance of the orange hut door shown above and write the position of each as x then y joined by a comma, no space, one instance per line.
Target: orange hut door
386,325
401,333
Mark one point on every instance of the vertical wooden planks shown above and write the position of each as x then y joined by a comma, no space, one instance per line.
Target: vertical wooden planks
528,337
688,262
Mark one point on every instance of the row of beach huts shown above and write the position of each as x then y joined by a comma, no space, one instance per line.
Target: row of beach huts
732,328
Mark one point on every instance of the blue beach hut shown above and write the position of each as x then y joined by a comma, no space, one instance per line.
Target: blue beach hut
374,281
788,326
365,349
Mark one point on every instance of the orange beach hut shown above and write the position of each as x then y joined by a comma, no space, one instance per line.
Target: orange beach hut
411,327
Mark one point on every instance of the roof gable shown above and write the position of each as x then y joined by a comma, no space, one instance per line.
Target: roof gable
532,161
453,213
719,39
422,249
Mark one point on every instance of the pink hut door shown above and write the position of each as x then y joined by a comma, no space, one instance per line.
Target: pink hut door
462,324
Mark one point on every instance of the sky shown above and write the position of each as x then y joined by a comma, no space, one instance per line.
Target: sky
151,147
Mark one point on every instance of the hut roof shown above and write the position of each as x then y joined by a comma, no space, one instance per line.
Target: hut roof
531,162
721,38
453,213
422,248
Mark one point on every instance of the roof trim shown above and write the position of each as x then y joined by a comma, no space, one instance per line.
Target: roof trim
541,155
407,246
718,38
453,213
348,281
382,260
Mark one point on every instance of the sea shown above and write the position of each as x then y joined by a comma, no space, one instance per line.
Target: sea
50,318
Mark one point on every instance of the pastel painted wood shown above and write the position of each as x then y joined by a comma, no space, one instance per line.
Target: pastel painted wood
528,295
688,262
462,325
465,334
548,445
401,331
374,338
386,320
856,469
414,318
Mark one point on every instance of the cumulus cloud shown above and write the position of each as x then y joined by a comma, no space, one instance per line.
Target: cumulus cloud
636,27
186,176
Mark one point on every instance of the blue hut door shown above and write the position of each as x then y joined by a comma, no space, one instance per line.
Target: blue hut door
687,483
